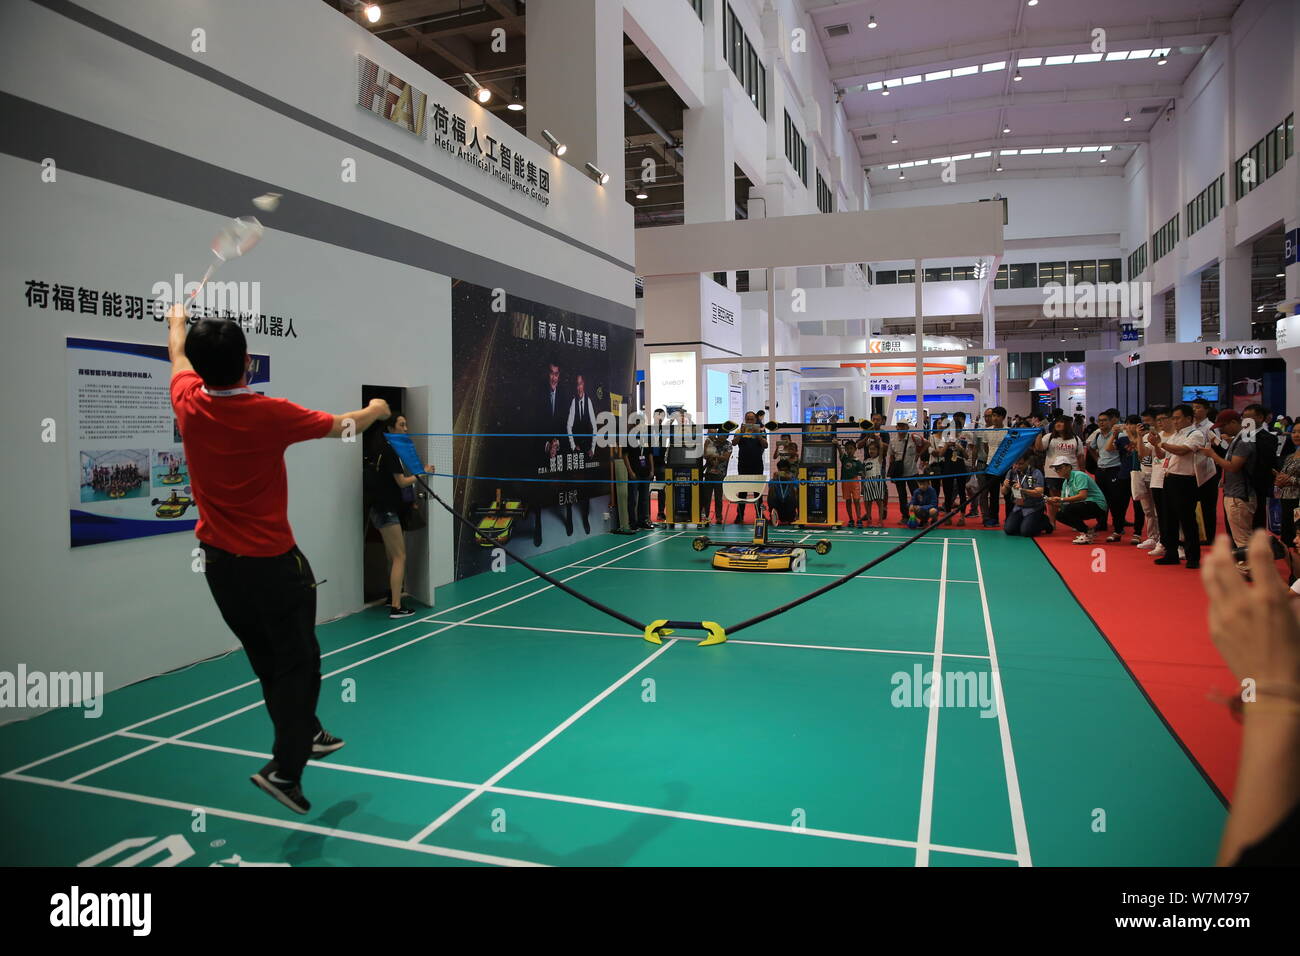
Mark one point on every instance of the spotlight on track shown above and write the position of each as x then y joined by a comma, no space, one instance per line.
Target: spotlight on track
596,174
515,104
481,92
558,148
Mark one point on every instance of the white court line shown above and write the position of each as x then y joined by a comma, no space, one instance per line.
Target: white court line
238,687
802,574
559,729
347,667
352,835
811,647
592,802
932,725
1018,826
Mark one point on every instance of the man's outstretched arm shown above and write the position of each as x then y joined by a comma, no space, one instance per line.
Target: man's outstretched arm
176,331
376,411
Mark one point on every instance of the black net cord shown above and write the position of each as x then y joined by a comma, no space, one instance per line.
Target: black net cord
555,582
853,574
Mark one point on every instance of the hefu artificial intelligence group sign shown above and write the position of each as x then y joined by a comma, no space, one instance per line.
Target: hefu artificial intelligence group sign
397,101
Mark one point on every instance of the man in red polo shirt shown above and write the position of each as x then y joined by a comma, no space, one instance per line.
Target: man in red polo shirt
234,442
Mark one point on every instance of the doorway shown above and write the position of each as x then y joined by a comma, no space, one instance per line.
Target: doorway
413,404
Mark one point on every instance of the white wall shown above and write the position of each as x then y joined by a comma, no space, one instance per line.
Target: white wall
364,268
1037,208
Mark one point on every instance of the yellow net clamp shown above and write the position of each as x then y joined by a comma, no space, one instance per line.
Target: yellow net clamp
655,631
716,634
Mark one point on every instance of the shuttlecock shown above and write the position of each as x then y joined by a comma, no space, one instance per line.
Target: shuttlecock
267,202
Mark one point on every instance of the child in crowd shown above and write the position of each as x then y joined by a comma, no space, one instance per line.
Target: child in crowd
782,495
851,482
924,505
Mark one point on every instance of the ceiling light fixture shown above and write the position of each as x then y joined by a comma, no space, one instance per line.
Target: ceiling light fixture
1017,78
885,90
894,139
558,148
871,23
1006,129
372,12
481,92
515,104
1128,117
642,194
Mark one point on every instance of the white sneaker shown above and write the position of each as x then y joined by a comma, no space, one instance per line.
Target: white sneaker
1148,544
1182,555
1084,538
1158,551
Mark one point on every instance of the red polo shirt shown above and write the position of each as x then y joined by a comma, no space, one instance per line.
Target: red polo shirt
235,448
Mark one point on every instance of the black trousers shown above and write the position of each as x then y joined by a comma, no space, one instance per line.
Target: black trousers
638,497
904,497
1116,486
1024,523
1263,495
954,487
1288,520
1076,514
1208,495
270,605
711,491
990,499
1179,514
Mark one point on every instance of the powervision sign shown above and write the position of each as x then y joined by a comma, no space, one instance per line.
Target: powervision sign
395,100
1237,351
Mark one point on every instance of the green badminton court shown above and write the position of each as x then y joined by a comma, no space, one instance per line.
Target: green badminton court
514,725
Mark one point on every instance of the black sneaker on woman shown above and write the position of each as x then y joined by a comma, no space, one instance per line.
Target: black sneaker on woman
288,792
396,612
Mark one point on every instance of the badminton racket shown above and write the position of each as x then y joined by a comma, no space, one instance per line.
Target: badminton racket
235,239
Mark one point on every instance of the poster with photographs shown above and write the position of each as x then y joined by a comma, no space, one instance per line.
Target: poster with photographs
530,381
128,476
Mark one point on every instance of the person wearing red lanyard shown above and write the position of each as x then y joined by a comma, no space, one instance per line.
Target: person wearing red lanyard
263,586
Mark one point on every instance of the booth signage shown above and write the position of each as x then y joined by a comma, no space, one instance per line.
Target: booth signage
385,95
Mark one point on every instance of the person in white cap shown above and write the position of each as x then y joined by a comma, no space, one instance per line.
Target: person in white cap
1079,500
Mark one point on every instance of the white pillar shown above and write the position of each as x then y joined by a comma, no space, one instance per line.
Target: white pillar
1235,310
709,190
575,82
920,340
1187,306
1154,332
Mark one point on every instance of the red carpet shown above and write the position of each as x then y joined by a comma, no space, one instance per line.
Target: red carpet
1155,618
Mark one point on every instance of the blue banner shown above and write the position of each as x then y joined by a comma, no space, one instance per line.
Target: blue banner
1012,448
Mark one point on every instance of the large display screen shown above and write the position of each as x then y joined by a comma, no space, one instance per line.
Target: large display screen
1208,393
819,454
